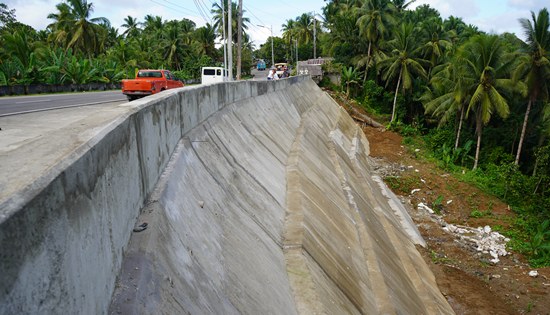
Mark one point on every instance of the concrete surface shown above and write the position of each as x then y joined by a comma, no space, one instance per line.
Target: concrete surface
258,197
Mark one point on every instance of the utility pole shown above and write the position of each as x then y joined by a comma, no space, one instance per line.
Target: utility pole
230,40
296,42
240,39
224,39
314,36
270,32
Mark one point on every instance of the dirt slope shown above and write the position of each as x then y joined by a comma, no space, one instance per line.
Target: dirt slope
471,283
467,278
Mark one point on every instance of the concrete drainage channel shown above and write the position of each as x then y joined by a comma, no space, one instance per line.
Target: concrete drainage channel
258,199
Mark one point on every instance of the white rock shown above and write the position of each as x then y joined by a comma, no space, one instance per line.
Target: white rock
533,273
449,202
422,206
415,190
487,229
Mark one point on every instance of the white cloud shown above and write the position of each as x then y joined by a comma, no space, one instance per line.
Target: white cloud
458,8
528,5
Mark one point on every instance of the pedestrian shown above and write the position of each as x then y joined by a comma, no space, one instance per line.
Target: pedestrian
272,75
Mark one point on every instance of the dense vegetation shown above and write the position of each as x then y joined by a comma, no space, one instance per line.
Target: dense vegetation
479,102
78,48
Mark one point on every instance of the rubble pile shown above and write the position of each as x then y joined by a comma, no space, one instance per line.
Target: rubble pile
484,240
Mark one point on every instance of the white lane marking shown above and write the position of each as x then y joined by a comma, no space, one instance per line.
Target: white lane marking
37,101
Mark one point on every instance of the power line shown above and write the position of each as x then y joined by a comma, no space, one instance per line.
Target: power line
178,8
201,12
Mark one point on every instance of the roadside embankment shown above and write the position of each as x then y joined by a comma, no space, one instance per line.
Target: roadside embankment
258,198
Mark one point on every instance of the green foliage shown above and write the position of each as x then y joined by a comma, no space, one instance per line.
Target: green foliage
350,79
437,204
539,245
403,184
403,129
376,98
195,63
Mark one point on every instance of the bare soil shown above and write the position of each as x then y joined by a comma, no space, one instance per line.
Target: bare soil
470,282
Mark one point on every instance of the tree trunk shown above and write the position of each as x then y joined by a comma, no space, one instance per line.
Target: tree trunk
459,127
478,146
239,39
523,129
395,96
367,66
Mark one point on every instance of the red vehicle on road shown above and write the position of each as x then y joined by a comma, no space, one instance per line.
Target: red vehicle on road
149,82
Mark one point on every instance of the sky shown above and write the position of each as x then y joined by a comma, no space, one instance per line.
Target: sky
493,16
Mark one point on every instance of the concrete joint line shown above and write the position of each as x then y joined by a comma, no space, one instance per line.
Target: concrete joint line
300,278
375,277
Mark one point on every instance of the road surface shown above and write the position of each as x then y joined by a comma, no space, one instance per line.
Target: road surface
13,105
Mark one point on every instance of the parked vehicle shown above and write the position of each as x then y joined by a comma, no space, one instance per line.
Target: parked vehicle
279,67
213,75
149,82
260,65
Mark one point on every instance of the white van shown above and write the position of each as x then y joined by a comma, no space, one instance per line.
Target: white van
213,75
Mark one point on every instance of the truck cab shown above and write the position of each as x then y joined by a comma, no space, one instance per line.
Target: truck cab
149,82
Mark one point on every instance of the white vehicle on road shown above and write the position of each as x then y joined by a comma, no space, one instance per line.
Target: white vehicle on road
211,75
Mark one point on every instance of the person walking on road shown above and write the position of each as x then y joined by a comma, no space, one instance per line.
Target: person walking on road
272,75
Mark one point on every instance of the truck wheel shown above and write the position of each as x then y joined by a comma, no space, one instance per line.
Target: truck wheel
130,98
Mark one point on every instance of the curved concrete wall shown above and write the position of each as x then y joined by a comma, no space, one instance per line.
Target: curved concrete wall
258,198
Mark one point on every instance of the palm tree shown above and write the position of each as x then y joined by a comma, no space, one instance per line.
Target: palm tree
152,23
374,23
206,36
402,61
176,41
534,65
288,30
219,14
74,26
485,69
446,96
437,44
350,76
303,28
132,27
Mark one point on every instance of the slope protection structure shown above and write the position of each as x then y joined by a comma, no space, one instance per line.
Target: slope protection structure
259,199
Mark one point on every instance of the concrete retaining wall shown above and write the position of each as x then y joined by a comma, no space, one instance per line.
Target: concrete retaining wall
62,236
258,198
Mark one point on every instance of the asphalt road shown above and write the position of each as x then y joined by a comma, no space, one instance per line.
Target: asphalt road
13,105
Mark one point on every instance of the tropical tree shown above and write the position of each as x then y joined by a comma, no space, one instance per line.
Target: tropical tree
401,5
132,27
342,41
7,16
485,69
75,29
153,26
220,14
437,43
303,28
206,38
534,65
176,42
288,31
402,62
446,96
350,77
374,24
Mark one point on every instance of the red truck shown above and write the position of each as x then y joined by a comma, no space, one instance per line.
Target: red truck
149,82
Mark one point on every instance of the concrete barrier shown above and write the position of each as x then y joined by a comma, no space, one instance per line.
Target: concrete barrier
258,199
